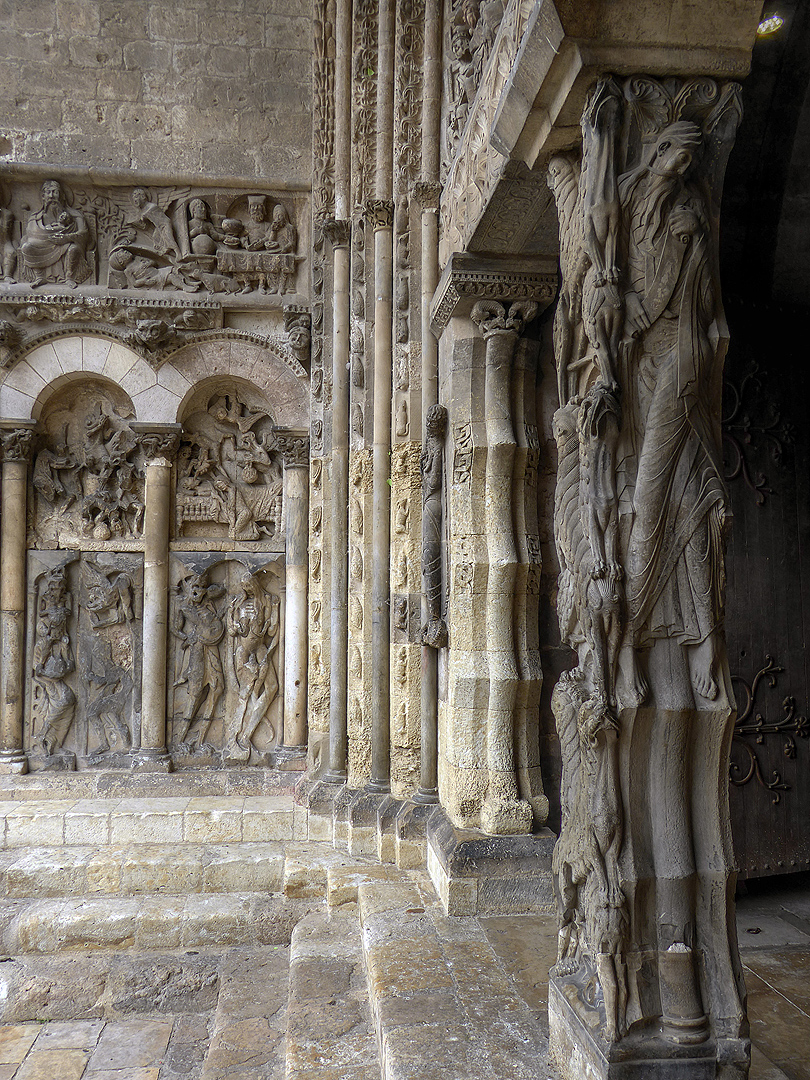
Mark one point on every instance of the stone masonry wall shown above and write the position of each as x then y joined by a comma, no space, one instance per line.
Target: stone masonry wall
199,87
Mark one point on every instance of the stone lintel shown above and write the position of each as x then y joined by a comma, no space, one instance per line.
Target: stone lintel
468,278
477,874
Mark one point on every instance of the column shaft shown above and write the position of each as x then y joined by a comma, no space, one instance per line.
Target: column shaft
296,502
155,610
12,603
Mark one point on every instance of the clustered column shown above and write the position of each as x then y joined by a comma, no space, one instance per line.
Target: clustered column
16,443
160,446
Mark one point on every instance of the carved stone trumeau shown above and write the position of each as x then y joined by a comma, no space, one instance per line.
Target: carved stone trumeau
640,518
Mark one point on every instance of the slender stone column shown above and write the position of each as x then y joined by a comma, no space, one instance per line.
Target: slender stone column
380,212
16,447
160,444
427,193
503,811
296,504
338,232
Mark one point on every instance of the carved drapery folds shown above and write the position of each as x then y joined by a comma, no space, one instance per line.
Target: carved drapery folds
431,467
640,515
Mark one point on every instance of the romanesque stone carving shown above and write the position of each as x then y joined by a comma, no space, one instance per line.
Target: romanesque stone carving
88,476
229,479
402,424
401,614
299,335
253,621
57,243
434,631
640,515
85,659
149,239
225,626
199,624
471,33
54,702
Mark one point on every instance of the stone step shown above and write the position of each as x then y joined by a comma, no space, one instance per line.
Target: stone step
144,868
443,1005
247,1039
146,922
330,1033
167,820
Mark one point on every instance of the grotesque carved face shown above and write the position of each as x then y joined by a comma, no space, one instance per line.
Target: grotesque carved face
676,148
139,197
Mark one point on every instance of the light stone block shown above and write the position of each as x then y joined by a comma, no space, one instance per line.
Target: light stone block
95,353
103,871
217,919
46,873
156,405
25,379
139,378
160,922
41,824
173,380
87,822
14,404
15,1042
45,362
119,362
47,1064
146,870
69,350
213,820
148,821
254,868
269,818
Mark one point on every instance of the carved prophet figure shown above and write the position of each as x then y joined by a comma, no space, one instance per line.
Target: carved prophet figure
54,700
431,464
200,627
640,516
253,620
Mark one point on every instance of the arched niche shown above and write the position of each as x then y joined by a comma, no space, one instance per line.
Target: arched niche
285,389
49,366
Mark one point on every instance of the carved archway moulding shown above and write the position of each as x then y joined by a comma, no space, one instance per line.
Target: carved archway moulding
157,396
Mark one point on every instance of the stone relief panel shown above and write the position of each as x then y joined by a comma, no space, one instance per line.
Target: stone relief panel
167,239
225,658
88,475
229,470
84,659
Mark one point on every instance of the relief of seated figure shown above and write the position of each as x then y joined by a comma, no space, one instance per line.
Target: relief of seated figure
57,241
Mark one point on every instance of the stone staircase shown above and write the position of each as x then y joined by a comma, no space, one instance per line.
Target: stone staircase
243,917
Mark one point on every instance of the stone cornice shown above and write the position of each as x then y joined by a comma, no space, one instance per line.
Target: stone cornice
467,278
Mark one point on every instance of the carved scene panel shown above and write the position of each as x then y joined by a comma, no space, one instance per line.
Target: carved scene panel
87,476
83,658
229,468
225,662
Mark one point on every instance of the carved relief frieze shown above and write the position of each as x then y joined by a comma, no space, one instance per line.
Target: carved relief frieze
190,240
84,656
226,625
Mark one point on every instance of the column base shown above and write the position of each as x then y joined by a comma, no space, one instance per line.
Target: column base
580,1052
290,758
13,762
150,760
426,796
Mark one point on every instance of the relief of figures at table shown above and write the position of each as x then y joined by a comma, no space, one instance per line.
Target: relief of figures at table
147,238
84,658
229,476
225,698
88,474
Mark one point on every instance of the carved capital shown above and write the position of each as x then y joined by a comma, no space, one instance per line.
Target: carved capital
493,318
467,279
17,443
294,449
159,442
337,232
379,213
426,194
